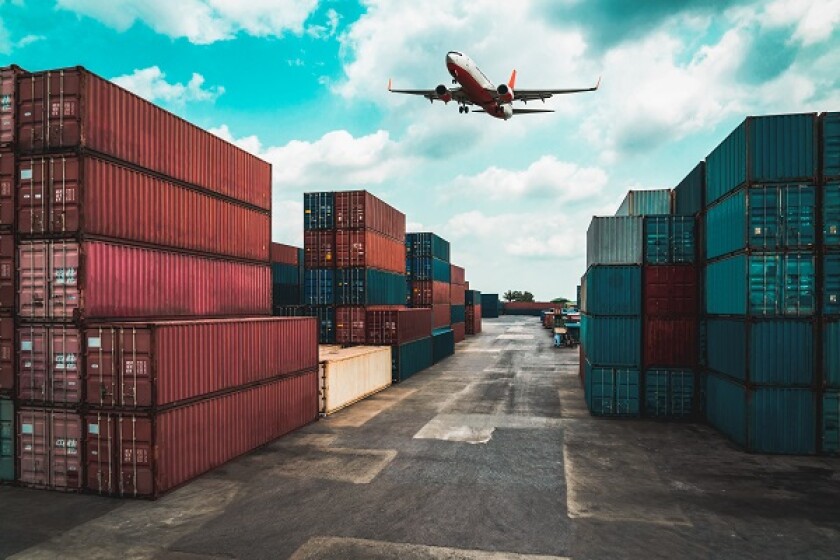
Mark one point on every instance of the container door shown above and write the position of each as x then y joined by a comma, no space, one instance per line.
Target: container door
7,272
64,260
7,185
33,277
33,175
100,432
65,178
135,456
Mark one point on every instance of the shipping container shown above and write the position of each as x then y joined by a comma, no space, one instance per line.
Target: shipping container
669,240
8,103
293,311
348,375
831,284
147,454
611,391
778,420
773,284
361,210
830,428
643,203
85,195
428,268
489,306
459,332
319,286
831,353
325,316
350,325
284,273
612,341
398,326
8,193
7,355
285,254
318,211
73,108
670,290
669,393
612,290
831,145
670,342
8,276
49,368
473,319
66,280
831,214
49,448
457,294
441,316
443,344
688,195
368,248
140,365
528,308
319,248
368,286
614,240
457,313
766,149
283,295
457,275
410,358
426,245
763,352
427,292
7,439
472,297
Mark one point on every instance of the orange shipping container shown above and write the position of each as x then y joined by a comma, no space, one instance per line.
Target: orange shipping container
370,250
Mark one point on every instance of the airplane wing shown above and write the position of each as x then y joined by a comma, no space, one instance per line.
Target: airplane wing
432,94
543,94
521,111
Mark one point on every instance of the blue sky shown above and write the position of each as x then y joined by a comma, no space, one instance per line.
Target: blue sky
302,83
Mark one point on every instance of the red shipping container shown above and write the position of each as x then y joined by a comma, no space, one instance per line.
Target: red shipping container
73,108
427,292
8,95
49,364
49,448
7,187
369,249
350,325
457,294
97,280
362,210
8,285
441,315
670,290
148,454
670,342
398,326
87,195
466,285
284,254
460,331
456,275
473,316
532,306
160,363
7,354
319,249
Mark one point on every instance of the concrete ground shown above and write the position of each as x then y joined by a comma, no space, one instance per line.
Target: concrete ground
488,455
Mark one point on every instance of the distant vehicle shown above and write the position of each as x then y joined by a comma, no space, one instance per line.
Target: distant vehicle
476,89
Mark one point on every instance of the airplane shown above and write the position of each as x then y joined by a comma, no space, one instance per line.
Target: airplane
476,89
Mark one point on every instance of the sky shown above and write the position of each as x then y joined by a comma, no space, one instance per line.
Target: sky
303,84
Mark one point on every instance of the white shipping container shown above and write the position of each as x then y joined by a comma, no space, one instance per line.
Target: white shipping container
614,240
349,375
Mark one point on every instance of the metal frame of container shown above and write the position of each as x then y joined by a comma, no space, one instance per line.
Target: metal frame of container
361,210
8,192
349,375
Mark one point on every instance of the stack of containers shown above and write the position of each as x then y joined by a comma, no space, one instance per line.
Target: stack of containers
830,328
286,279
429,280
771,279
490,306
457,297
122,225
473,311
354,260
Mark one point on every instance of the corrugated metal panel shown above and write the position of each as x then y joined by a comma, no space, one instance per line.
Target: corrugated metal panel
398,326
614,240
669,240
457,275
319,248
783,217
613,290
457,294
285,254
49,364
831,214
8,95
831,422
669,393
350,325
283,295
782,284
726,286
726,166
670,290
831,353
489,306
612,341
368,286
349,375
612,391
326,321
49,448
472,297
782,353
8,272
441,316
831,144
726,225
443,344
410,358
318,211
427,244
319,286
783,420
367,248
831,284
7,439
426,292
473,315
642,203
362,210
726,341
284,273
8,192
459,331
670,341
7,354
457,313
726,408
688,194
428,268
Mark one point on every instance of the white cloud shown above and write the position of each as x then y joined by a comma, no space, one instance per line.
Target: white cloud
150,83
813,20
200,21
327,30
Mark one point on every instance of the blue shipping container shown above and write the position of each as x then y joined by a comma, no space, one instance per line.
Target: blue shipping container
612,290
612,341
319,286
831,353
410,358
326,322
489,306
669,239
428,268
443,344
688,195
643,203
767,149
457,314
611,391
369,286
831,422
831,284
669,393
426,244
831,144
831,214
318,211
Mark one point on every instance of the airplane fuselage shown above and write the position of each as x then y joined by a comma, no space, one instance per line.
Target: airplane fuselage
475,85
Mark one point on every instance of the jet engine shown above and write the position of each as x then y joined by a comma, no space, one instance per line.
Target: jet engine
505,93
443,93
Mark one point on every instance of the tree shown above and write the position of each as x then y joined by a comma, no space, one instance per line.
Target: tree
560,300
516,295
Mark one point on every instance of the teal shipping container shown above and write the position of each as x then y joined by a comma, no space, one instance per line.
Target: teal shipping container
472,297
778,420
612,341
284,273
768,149
831,214
777,352
369,286
831,145
765,218
490,306
612,290
642,203
457,314
410,358
428,268
831,284
427,244
611,391
830,429
614,240
831,353
688,194
669,393
669,240
443,344
319,286
773,284
318,211
7,439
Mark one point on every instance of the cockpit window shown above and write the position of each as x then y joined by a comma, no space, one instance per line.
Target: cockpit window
455,52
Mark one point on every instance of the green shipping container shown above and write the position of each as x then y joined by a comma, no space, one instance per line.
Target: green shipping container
369,286
831,284
7,439
611,391
426,244
669,240
688,195
612,341
831,353
669,393
443,344
410,358
831,145
830,431
831,214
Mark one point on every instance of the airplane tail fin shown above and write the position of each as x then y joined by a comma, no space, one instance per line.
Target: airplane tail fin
512,80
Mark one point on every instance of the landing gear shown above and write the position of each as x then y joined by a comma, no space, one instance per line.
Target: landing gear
454,81
460,108
463,109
